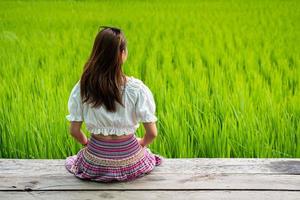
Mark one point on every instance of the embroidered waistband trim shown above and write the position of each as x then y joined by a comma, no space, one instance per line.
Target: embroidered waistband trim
113,162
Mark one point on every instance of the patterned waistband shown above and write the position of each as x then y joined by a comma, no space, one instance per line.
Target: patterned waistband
130,136
113,152
113,162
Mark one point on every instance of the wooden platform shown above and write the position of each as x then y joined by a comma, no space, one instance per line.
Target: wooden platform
201,178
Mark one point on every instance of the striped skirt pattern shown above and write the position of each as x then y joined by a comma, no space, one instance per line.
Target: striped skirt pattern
108,160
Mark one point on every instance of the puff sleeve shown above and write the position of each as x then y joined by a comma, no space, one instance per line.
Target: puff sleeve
75,106
145,105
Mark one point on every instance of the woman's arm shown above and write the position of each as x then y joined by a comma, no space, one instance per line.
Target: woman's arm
77,133
150,135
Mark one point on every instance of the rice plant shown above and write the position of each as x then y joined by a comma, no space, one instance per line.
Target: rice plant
224,74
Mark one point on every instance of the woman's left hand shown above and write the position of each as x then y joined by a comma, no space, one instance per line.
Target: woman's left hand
87,142
141,142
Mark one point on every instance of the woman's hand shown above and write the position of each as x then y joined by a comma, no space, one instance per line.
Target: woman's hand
141,141
87,142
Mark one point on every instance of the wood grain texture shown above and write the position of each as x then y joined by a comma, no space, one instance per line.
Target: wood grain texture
231,178
151,195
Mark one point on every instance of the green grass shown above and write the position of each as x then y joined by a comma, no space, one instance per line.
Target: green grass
224,74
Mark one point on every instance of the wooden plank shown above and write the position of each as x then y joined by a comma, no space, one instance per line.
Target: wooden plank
151,195
187,165
159,182
173,174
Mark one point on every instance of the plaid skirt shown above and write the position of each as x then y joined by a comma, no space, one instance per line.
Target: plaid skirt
108,160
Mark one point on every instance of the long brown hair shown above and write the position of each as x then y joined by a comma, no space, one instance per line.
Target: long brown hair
102,76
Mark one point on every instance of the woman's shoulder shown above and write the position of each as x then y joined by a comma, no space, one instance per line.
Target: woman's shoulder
76,88
136,84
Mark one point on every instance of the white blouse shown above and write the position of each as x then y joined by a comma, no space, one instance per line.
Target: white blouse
139,107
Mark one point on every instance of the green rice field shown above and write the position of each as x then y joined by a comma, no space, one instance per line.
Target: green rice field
225,75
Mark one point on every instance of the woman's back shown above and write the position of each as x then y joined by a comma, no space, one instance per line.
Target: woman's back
139,107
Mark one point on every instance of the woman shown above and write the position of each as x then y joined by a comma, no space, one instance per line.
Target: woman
111,104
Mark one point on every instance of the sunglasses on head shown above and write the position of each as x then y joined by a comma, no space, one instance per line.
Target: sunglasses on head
115,29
